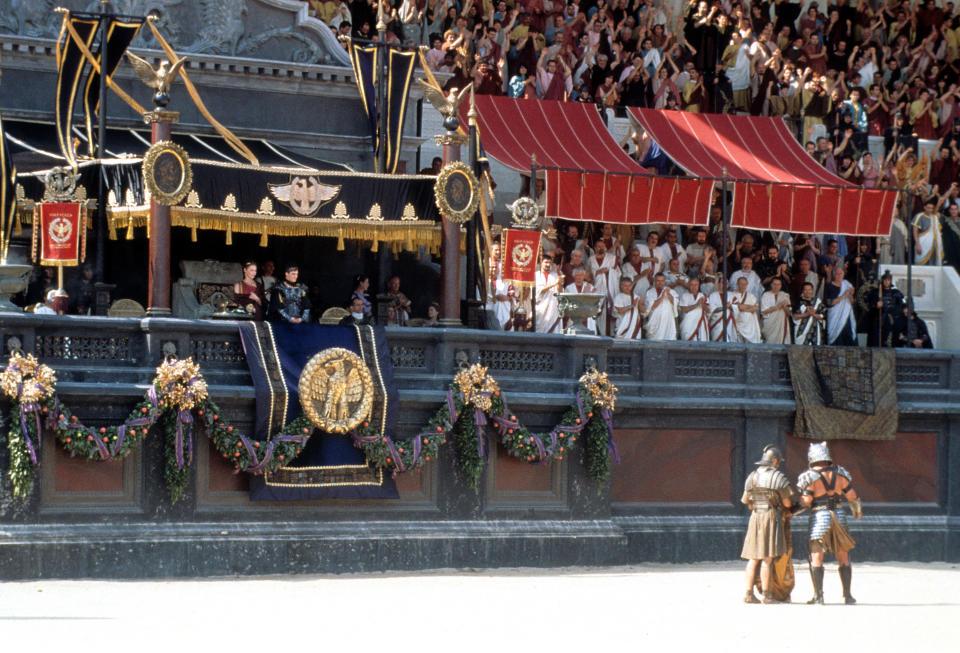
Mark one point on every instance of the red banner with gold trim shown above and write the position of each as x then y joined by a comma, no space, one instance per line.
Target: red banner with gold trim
521,251
59,233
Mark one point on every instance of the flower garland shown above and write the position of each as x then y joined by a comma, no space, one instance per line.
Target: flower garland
31,385
178,399
473,401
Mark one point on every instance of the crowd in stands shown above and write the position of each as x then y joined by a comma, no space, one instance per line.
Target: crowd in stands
771,287
839,73
885,68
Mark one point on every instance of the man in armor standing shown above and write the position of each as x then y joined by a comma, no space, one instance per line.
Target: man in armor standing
822,488
289,301
886,305
767,493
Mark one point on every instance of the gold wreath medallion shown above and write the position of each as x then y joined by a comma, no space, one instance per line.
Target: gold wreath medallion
457,192
336,390
167,172
526,213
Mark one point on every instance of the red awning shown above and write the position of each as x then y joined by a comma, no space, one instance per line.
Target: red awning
776,184
588,176
560,134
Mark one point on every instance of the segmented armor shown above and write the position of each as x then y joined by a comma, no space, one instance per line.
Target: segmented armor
762,485
290,301
820,510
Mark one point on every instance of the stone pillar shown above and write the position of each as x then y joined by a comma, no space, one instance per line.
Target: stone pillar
158,298
450,268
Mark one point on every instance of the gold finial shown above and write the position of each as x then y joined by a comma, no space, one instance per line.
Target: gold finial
448,105
381,19
160,78
472,113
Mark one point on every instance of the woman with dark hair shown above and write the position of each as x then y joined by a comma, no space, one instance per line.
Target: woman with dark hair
361,283
249,293
433,315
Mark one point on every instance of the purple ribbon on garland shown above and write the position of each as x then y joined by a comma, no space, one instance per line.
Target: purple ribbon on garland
34,451
184,421
396,456
480,421
608,418
452,407
137,422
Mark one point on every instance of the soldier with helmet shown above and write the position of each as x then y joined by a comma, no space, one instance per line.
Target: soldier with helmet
768,494
823,488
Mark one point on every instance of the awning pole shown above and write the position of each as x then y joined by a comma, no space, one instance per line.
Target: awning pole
100,228
723,246
383,52
533,196
911,253
473,305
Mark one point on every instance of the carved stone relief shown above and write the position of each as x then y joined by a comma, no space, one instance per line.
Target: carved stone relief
279,30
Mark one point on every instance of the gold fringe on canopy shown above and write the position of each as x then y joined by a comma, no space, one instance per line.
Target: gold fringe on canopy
406,235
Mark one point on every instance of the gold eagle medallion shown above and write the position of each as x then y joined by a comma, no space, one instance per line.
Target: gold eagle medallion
336,390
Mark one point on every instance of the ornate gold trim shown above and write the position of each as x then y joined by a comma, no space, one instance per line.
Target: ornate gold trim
449,172
340,212
377,472
193,200
266,207
394,232
157,150
161,115
450,138
230,204
376,213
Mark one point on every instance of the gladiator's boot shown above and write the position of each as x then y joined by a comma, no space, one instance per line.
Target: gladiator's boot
750,597
846,571
816,575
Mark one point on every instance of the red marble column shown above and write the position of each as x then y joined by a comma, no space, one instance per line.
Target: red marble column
158,298
450,265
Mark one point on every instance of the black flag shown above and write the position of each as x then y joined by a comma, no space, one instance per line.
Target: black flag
119,37
71,65
8,196
366,62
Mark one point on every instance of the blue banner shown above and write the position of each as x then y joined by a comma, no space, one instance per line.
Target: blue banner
329,466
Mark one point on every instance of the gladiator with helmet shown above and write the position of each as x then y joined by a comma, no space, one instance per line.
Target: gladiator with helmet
768,494
823,489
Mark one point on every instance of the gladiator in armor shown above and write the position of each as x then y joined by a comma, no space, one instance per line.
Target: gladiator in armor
823,488
289,300
768,494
